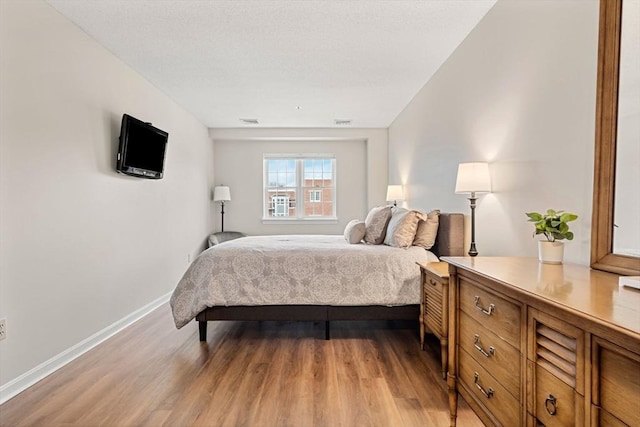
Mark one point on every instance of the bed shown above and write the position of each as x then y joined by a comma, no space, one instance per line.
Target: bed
308,278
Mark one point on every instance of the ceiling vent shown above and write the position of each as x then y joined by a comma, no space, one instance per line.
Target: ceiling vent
342,121
249,121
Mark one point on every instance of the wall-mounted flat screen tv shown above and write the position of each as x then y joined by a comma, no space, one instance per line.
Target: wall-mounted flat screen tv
142,148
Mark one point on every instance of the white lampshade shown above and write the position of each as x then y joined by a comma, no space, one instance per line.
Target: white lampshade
394,192
221,193
473,178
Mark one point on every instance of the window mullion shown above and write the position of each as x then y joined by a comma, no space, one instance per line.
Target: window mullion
265,187
300,188
334,192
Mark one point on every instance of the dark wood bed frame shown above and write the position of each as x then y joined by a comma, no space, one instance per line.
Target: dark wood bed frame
449,242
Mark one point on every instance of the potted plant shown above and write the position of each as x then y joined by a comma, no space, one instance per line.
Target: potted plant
554,226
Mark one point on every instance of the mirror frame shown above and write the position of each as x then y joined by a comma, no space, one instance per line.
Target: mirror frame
602,256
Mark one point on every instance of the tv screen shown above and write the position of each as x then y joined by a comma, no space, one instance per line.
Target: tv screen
142,148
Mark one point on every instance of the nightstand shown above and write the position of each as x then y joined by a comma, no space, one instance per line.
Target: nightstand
434,312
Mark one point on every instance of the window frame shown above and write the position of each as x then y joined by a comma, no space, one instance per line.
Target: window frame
300,190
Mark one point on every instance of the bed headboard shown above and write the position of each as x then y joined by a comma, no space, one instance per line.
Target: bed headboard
450,238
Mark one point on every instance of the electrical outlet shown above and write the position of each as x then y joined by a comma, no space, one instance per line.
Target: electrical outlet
3,329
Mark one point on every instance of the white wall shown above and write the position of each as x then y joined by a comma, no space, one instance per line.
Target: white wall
82,246
361,156
519,92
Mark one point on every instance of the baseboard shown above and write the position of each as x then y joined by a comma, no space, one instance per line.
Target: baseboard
26,380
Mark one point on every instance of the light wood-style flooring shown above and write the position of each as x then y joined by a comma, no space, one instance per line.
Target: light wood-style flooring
247,374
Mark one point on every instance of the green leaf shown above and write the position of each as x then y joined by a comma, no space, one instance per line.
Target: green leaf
534,216
569,235
567,217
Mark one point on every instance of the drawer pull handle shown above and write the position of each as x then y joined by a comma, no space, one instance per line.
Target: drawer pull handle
492,349
550,404
488,393
482,309
432,282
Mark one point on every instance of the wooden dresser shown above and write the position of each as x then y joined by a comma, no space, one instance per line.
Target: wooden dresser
535,344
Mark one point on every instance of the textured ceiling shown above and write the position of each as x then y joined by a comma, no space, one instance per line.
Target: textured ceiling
286,63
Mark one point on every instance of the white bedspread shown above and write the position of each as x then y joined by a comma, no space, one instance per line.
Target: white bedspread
298,269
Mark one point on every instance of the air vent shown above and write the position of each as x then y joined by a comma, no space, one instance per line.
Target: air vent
557,353
343,122
249,121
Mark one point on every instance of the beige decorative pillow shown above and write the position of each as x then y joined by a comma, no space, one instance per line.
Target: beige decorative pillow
376,224
427,230
402,227
354,231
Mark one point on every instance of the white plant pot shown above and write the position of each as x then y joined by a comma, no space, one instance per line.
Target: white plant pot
550,252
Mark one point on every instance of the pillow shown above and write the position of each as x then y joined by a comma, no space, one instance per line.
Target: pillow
376,224
354,231
402,227
427,230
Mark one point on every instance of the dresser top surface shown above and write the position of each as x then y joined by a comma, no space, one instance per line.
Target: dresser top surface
578,288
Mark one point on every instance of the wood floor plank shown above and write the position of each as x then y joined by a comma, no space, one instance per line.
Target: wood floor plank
422,374
364,353
392,370
382,408
412,412
246,374
349,383
327,405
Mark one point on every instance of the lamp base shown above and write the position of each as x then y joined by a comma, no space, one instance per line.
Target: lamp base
222,217
472,250
472,200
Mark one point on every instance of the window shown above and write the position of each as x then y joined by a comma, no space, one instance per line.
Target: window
298,187
315,196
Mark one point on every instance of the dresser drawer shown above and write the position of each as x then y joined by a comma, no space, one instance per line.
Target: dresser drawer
555,402
495,313
617,371
500,359
488,392
605,419
433,306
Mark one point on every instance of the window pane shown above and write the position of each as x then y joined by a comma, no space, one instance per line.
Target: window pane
327,202
319,185
307,166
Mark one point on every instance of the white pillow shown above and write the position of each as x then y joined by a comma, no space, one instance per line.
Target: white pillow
376,223
354,231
